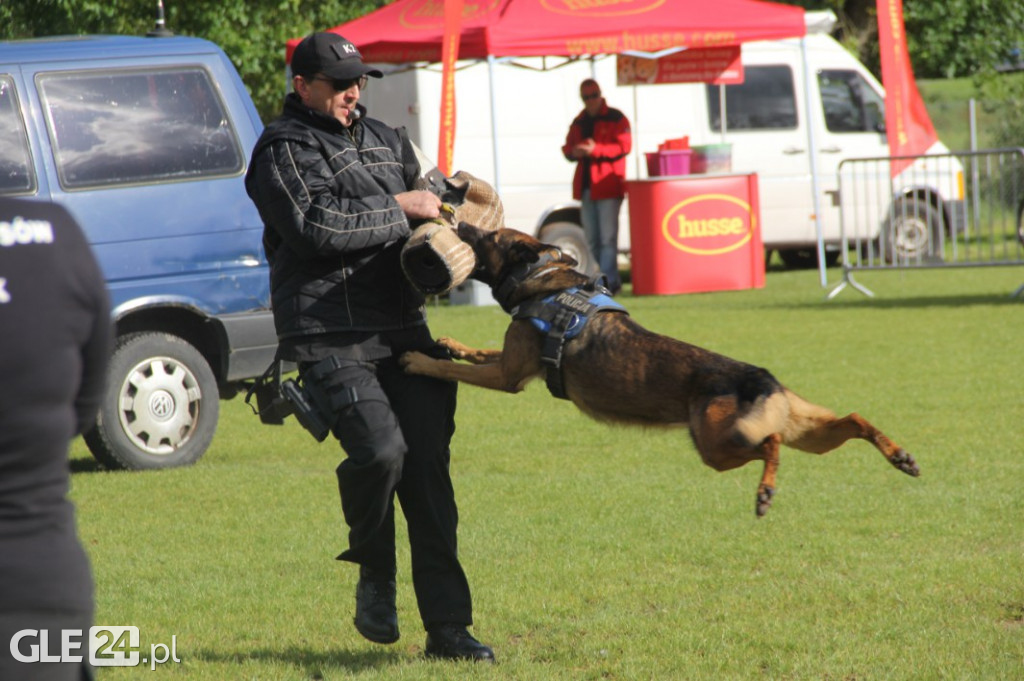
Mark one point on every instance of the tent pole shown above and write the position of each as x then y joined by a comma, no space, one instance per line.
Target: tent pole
636,130
721,111
813,148
494,123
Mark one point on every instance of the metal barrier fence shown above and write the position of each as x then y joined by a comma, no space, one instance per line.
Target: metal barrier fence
963,209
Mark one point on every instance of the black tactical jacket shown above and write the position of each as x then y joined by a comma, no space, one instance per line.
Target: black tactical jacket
333,231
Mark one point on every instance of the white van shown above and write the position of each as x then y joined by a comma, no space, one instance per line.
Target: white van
535,99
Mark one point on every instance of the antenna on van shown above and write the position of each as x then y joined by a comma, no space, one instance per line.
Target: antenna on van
159,30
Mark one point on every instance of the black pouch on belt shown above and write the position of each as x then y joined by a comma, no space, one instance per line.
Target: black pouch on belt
329,393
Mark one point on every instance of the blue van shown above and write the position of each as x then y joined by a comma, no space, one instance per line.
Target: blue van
145,141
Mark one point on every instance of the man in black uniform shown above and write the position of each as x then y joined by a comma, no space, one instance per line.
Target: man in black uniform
334,190
55,335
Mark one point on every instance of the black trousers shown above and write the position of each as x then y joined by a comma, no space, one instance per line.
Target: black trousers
54,623
396,437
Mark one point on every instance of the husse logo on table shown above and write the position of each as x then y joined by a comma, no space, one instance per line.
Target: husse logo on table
709,224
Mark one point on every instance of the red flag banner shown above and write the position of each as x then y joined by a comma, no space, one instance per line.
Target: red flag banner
907,124
449,55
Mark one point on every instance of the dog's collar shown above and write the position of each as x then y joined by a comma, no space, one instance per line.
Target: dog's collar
509,281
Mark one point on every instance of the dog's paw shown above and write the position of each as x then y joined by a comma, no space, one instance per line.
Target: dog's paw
764,500
905,462
457,349
452,345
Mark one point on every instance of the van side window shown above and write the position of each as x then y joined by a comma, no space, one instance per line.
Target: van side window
132,126
16,172
765,100
849,103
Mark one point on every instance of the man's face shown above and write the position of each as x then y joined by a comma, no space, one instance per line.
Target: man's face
591,96
332,97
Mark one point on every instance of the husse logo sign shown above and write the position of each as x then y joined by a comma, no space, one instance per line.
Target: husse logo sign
429,14
709,224
601,8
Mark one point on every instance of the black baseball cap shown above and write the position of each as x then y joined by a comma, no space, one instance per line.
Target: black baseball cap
331,55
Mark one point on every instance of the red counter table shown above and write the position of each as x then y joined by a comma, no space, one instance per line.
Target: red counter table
695,233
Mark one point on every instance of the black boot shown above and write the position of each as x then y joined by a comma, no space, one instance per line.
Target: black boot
453,642
376,615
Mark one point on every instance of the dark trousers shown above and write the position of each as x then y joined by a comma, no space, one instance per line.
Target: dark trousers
396,436
54,623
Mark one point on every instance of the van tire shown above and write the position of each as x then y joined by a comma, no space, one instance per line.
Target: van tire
806,258
161,405
569,237
912,231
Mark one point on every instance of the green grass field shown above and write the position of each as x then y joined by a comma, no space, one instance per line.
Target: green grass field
601,552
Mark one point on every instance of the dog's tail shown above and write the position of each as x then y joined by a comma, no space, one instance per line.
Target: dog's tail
762,405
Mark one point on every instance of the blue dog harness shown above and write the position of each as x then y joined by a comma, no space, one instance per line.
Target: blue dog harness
561,317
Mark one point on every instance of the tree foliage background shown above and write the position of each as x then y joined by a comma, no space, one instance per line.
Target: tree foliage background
252,32
979,39
948,39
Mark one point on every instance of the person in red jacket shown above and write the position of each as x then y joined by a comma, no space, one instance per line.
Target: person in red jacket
598,142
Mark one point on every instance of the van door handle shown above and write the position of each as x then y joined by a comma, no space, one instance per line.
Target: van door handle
793,150
830,150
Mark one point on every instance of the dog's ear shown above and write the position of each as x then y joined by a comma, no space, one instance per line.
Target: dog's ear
523,252
564,257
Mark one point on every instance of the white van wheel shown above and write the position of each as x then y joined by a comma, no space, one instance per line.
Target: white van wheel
913,231
570,239
806,258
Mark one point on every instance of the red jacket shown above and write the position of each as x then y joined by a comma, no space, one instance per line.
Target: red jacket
607,163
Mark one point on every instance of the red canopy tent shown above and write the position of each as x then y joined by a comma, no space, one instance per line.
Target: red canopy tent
412,30
408,31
